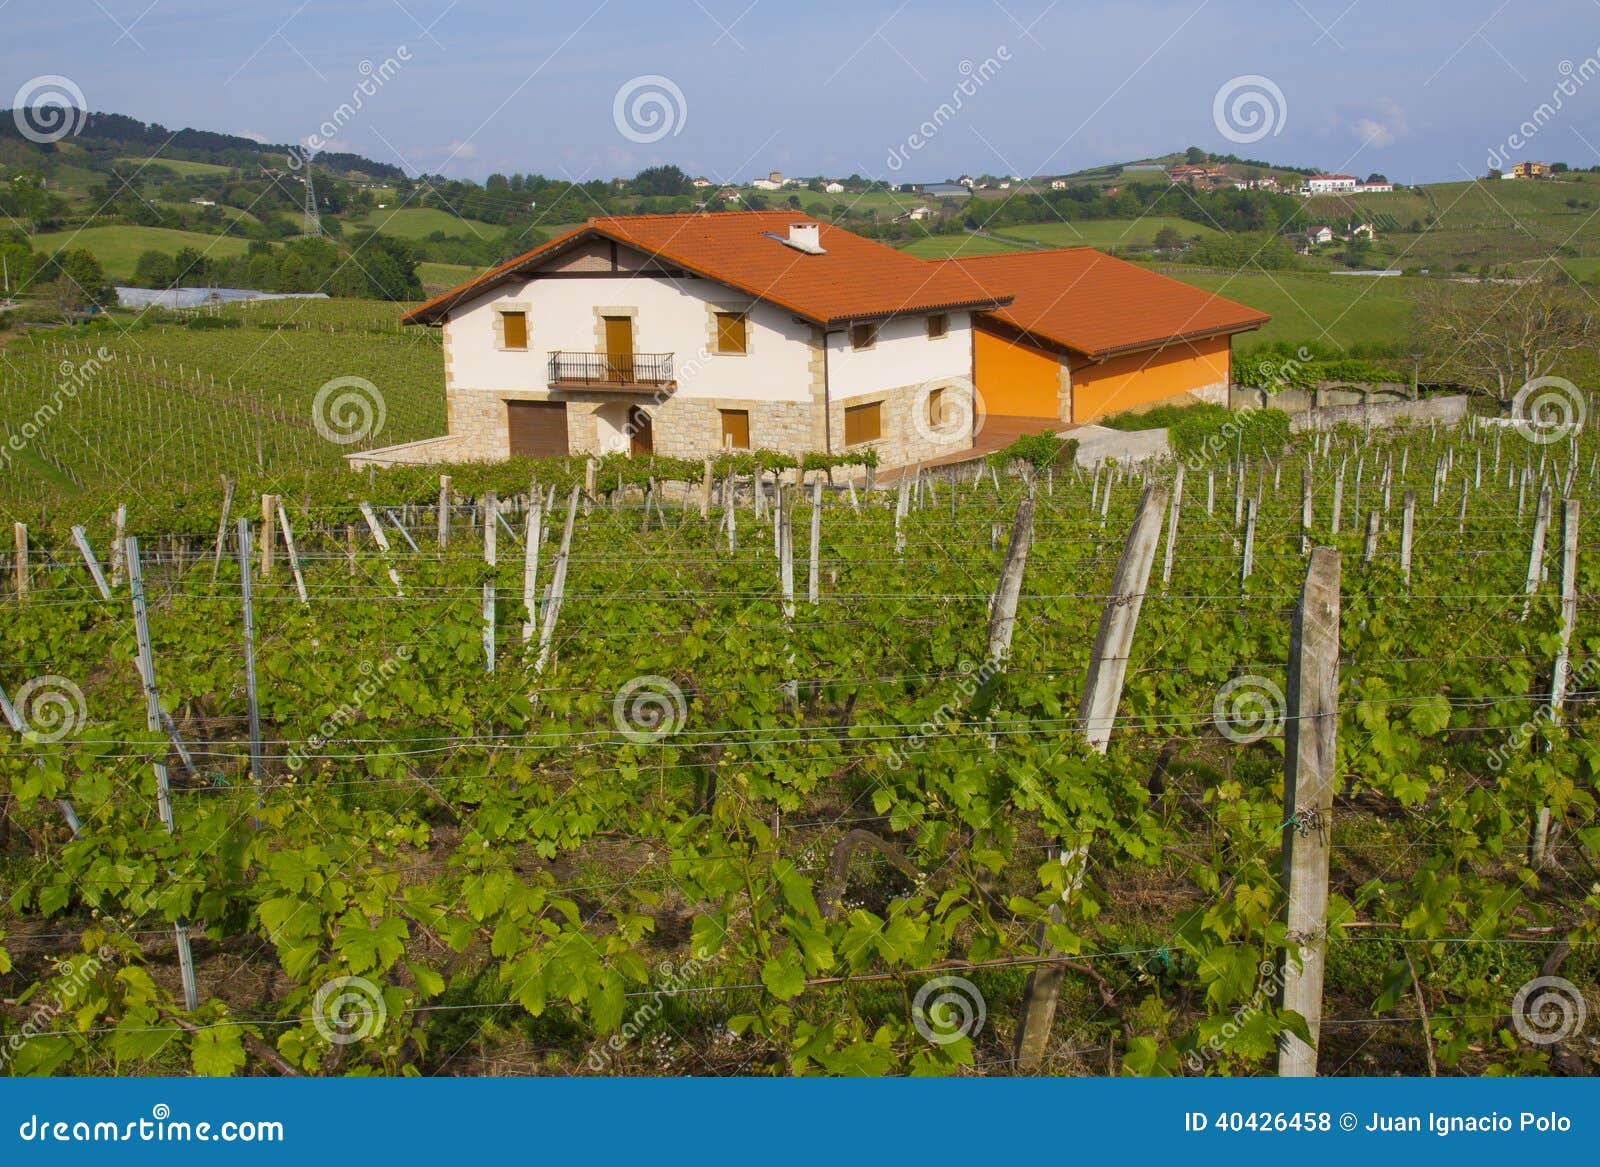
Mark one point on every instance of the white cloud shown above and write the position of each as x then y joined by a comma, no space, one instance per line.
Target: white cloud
1381,124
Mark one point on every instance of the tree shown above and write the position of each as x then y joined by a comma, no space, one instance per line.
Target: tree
82,270
1195,156
1376,177
1495,340
660,180
1169,239
154,270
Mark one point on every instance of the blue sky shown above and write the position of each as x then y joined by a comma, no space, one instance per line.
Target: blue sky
1419,91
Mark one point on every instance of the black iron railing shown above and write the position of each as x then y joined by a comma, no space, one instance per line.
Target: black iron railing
607,369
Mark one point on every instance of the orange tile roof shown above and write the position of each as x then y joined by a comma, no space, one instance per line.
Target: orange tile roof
1097,305
856,278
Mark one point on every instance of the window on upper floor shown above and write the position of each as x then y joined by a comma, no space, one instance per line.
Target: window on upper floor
863,336
938,325
732,332
514,326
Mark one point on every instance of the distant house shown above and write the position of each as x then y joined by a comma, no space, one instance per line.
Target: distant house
1323,184
917,214
203,202
1528,170
1375,188
728,195
1319,235
967,181
834,188
766,184
1058,184
944,190
700,183
1364,231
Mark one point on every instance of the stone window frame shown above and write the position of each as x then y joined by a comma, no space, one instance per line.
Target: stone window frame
601,311
874,325
744,308
500,310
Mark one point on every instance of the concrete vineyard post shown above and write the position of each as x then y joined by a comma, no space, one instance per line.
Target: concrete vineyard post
293,554
82,540
1561,673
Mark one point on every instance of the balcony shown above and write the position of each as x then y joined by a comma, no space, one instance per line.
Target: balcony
638,373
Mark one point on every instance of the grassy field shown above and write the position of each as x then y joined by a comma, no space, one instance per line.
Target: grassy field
945,246
178,166
1106,232
1343,310
420,222
118,248
444,275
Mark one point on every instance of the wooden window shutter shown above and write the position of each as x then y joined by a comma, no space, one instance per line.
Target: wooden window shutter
732,336
938,325
516,329
936,408
862,423
863,335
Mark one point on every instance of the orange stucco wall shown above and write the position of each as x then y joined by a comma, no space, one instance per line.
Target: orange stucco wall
1015,379
1126,382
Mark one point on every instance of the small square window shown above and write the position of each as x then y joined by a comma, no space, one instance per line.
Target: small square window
938,326
863,423
863,335
514,327
733,332
735,429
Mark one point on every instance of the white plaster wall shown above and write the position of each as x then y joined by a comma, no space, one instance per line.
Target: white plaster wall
672,317
902,355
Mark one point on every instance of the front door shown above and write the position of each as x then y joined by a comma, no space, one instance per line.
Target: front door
619,348
642,443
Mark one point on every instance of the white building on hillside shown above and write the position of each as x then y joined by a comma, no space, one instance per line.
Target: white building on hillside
1322,184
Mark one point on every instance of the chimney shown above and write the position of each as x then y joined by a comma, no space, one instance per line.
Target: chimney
805,237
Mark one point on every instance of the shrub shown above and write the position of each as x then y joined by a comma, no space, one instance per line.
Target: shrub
1208,434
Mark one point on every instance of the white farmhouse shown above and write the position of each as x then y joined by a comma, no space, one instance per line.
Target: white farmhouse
834,188
1322,184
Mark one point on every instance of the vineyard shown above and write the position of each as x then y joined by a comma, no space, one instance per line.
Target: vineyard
991,770
277,390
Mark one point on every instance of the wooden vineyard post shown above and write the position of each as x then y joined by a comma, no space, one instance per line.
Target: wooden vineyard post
1096,714
269,533
19,532
152,706
589,472
491,533
1408,522
252,700
1560,675
444,511
1003,608
530,568
82,540
900,504
705,490
1309,768
1338,500
292,553
1172,526
1541,524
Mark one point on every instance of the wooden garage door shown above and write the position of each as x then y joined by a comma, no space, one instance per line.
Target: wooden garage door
538,429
